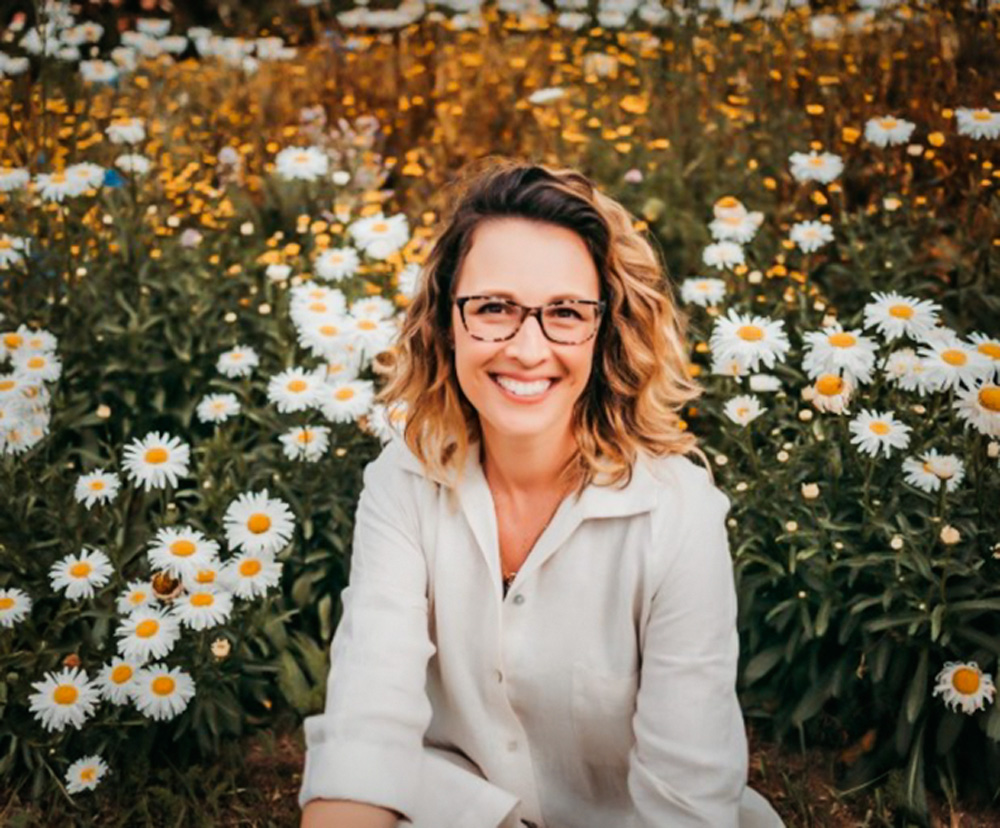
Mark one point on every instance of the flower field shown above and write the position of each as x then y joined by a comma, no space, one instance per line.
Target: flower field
209,232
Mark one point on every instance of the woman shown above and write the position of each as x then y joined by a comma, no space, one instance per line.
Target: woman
540,625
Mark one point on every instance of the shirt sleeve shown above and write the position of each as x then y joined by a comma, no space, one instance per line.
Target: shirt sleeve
689,764
367,745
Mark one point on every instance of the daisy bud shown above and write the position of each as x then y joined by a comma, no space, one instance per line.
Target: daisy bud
810,491
782,456
805,415
950,535
755,277
993,450
72,660
897,542
742,486
792,526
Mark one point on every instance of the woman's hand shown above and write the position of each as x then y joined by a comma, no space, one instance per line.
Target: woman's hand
343,813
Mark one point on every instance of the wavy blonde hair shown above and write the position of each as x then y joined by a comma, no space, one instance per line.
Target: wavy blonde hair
640,380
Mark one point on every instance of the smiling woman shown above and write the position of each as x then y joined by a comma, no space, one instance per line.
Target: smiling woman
560,650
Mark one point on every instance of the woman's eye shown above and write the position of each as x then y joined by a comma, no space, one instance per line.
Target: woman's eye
493,307
566,313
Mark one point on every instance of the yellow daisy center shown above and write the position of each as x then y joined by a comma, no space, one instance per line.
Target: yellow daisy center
97,485
879,428
965,680
250,567
318,307
121,674
259,523
137,597
982,115
901,311
989,398
841,340
6,385
301,157
12,340
88,774
58,178
990,349
163,685
182,548
6,603
80,570
380,227
205,576
155,456
305,436
202,599
147,628
329,330
816,161
829,384
742,411
6,244
954,357
65,694
727,202
887,123
336,257
344,394
750,333
297,386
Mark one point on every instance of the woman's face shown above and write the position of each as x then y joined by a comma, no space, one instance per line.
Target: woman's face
532,263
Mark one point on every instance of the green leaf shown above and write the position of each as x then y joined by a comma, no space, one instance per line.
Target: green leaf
916,793
762,663
917,692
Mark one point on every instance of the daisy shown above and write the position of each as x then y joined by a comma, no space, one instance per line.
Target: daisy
237,362
156,461
137,595
38,341
181,550
344,364
380,236
12,250
37,366
895,315
162,692
278,272
989,347
295,389
324,337
963,684
68,697
744,409
723,255
752,339
115,680
56,186
344,402
950,364
302,163
814,166
305,443
13,178
765,383
387,423
875,430
337,264
831,393
738,227
546,95
731,365
834,351
217,408
89,176
153,26
370,334
15,604
258,523
206,576
888,130
248,576
85,774
147,633
98,486
133,163
978,123
930,471
374,307
980,408
905,369
79,574
810,236
315,301
204,608
98,71
126,131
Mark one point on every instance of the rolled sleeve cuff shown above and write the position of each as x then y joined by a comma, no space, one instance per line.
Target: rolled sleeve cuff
384,775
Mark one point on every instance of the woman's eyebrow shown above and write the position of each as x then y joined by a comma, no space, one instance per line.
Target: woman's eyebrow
504,294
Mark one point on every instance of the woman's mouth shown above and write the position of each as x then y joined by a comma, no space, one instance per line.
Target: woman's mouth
523,391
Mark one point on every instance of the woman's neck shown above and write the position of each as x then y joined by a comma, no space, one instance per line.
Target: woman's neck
524,468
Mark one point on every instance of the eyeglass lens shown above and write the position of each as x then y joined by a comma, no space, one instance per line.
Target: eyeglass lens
567,323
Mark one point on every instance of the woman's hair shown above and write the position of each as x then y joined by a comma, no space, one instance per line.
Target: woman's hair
639,381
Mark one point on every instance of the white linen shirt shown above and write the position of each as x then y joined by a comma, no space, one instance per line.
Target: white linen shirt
599,693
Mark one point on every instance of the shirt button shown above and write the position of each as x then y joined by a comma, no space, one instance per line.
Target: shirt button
519,599
512,746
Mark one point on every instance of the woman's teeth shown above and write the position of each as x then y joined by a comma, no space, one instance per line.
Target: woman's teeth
524,389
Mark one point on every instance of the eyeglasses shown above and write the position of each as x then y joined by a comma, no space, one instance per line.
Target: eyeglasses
566,322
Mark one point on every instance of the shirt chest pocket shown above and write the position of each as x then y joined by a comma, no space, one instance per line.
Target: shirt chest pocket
601,708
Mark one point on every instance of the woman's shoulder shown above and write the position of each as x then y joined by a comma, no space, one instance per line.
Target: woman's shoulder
684,487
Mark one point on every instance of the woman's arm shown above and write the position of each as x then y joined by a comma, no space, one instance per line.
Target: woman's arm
340,813
689,765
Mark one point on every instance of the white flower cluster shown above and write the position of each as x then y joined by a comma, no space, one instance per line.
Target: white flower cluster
24,398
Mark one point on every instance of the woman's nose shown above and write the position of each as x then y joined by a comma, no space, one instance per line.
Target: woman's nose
529,343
